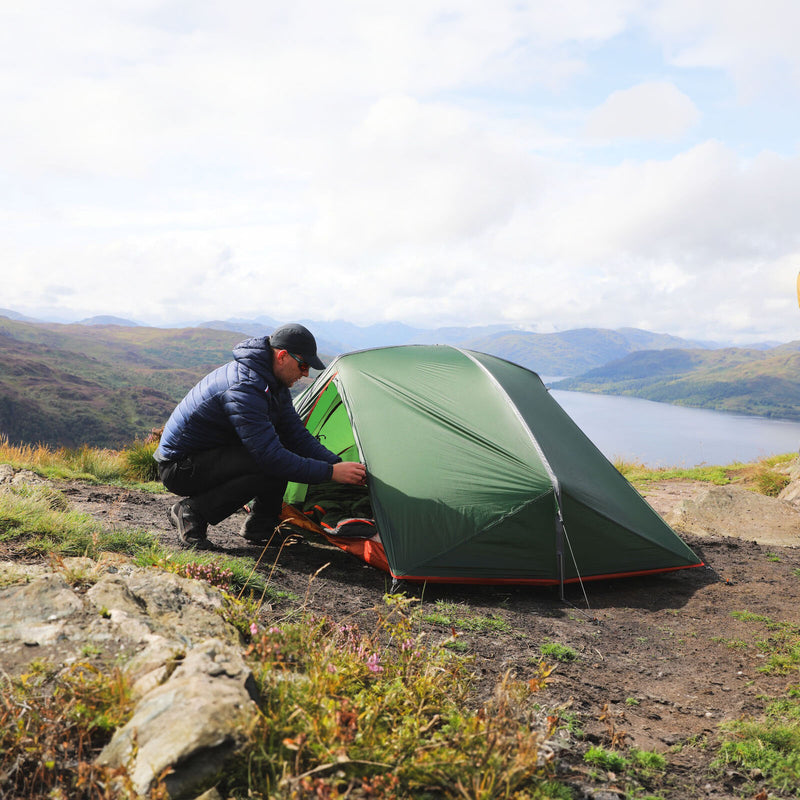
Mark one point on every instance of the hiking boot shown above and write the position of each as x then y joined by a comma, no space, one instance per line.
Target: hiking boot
259,527
191,526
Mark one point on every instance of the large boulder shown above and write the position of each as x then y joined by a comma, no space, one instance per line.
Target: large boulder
734,511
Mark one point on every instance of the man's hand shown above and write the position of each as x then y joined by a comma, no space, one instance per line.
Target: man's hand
350,472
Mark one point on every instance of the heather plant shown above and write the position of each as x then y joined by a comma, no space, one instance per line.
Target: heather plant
381,714
232,574
52,728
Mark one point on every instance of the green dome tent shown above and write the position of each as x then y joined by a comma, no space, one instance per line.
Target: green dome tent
475,473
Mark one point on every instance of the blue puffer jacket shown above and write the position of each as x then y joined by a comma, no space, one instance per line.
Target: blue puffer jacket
243,402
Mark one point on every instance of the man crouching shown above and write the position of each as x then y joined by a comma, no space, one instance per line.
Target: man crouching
236,437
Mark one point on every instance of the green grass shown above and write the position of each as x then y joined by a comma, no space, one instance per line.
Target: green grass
781,646
638,473
36,520
558,651
636,770
769,743
760,476
462,617
605,759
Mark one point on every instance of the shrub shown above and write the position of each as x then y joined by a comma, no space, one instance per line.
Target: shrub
54,728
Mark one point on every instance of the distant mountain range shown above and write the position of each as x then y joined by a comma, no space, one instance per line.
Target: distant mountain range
105,381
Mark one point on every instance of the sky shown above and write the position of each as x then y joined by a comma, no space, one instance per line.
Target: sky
586,163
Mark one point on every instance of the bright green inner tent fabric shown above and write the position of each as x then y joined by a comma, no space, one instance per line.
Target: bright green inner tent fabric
330,423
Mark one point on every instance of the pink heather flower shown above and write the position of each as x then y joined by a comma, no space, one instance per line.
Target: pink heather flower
373,663
331,668
253,629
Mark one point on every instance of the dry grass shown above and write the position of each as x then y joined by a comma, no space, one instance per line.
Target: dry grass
92,464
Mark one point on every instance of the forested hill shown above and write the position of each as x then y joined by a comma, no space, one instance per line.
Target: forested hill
762,382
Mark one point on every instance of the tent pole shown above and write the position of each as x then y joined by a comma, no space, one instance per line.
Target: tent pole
560,553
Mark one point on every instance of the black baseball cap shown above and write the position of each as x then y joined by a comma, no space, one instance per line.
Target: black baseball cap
298,340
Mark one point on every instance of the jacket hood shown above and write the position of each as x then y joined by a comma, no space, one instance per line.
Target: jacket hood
256,354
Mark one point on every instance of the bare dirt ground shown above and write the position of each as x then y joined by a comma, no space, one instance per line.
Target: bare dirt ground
662,661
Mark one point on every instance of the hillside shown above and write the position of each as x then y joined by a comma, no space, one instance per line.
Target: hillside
745,381
102,385
563,353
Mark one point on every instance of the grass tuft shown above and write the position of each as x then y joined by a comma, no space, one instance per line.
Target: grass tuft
461,617
558,651
138,458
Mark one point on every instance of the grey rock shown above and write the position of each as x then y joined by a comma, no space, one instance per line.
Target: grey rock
791,492
734,511
192,723
38,611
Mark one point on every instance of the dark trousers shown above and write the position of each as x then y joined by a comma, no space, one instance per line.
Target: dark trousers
220,481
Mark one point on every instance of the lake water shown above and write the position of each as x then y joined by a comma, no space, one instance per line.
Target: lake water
659,434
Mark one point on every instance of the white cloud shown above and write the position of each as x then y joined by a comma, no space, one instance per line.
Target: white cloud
421,173
655,110
756,42
169,160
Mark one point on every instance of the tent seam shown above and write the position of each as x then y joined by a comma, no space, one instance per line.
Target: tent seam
560,528
553,479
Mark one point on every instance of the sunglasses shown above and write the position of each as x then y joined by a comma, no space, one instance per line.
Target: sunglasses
304,365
